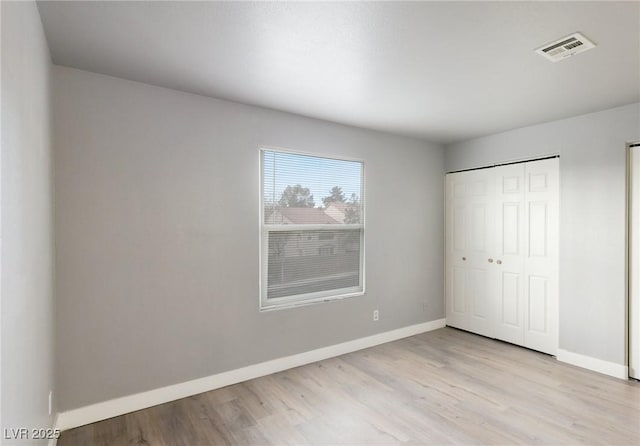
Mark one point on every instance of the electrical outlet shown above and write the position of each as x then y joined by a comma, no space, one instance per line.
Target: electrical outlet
376,315
50,401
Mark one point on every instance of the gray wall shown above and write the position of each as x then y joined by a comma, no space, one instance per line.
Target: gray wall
592,217
27,274
157,197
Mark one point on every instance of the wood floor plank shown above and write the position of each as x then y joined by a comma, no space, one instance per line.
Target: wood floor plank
442,387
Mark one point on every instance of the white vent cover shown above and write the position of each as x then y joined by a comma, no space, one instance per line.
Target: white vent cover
566,47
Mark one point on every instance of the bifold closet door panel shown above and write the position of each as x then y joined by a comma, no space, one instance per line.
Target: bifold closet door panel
541,259
509,252
502,252
480,233
470,237
456,248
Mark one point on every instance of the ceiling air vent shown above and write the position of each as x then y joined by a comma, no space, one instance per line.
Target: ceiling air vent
566,47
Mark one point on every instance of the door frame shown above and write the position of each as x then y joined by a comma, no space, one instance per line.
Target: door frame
632,329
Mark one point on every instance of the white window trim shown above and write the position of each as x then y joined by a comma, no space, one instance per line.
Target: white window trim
320,296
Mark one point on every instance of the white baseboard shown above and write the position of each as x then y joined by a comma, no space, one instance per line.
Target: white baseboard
119,406
595,364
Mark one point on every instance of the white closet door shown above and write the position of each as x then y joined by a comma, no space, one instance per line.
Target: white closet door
509,252
541,259
480,233
502,253
456,250
469,239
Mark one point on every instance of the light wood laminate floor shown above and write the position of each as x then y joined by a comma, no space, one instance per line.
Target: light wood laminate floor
442,387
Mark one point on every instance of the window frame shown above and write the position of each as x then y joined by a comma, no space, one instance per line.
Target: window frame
276,303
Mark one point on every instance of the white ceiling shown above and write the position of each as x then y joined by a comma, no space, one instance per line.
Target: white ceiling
441,71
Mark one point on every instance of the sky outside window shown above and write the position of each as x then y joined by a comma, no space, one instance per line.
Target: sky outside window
320,175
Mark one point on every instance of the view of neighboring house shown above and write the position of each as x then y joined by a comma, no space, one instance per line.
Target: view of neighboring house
308,243
337,210
299,216
290,252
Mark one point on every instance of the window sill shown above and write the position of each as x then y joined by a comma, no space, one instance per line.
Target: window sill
305,302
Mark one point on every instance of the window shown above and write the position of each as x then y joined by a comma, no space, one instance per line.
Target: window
312,229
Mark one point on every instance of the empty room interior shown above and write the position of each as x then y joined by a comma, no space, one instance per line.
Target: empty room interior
328,223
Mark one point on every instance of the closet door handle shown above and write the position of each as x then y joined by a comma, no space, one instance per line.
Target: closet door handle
499,262
490,260
464,258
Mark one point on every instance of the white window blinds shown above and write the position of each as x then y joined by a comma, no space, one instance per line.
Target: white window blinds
312,228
